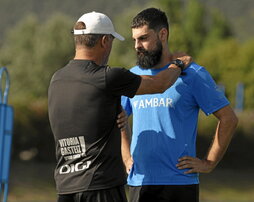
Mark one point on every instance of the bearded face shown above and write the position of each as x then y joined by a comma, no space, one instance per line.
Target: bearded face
147,59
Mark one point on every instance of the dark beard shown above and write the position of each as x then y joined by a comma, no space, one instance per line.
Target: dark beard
148,59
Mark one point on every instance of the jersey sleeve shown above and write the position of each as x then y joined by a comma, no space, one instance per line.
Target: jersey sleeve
208,95
125,101
120,81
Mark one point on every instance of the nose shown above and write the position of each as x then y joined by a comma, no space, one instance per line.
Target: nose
137,44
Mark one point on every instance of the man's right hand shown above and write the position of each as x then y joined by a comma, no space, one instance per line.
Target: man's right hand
183,57
186,60
122,119
128,164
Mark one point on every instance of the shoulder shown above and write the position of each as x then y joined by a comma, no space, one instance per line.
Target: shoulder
138,70
121,81
115,71
196,72
194,69
118,73
58,75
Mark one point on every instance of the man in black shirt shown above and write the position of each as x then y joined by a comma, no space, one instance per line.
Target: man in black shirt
84,101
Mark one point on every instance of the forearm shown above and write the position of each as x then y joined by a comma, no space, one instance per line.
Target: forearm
223,135
159,83
168,77
125,143
222,138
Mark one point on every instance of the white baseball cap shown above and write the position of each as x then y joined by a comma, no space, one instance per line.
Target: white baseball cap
97,23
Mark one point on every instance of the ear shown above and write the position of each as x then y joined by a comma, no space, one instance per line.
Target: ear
163,34
104,41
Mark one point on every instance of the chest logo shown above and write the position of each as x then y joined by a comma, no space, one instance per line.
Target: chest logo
153,102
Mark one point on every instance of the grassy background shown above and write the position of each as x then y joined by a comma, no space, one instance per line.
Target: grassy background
231,181
33,182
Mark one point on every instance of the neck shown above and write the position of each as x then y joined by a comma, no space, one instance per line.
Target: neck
166,58
88,54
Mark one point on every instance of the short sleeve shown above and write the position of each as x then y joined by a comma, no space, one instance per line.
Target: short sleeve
125,102
208,95
120,81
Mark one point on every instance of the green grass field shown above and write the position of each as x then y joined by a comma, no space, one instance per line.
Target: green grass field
30,182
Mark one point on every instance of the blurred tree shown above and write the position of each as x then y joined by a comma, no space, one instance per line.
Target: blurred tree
17,54
231,62
123,53
194,26
173,8
245,65
220,60
33,51
54,49
218,28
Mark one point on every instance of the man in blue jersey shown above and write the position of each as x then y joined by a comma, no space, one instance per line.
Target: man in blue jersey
162,163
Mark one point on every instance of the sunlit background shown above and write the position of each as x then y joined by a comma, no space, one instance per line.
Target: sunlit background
36,40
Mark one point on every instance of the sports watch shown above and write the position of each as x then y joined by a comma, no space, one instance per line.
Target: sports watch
178,63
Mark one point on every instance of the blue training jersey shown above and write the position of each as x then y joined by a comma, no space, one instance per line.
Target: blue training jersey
165,126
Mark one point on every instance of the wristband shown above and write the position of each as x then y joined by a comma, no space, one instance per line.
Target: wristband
178,63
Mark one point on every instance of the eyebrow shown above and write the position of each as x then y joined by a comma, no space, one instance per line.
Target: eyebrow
142,36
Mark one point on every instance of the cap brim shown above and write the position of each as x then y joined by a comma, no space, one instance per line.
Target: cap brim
118,36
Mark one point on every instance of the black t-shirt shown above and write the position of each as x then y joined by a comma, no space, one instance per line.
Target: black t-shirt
84,101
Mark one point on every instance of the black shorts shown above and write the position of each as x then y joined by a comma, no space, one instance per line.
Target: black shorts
164,193
116,194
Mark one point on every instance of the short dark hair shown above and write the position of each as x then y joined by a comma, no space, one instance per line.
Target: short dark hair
88,40
152,17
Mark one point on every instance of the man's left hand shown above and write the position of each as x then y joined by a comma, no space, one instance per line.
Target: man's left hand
195,165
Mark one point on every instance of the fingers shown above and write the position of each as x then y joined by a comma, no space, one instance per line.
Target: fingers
186,60
186,158
121,116
185,162
195,165
128,165
128,170
191,171
182,56
122,120
188,162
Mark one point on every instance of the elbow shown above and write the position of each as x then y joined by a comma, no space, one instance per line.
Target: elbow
232,121
235,121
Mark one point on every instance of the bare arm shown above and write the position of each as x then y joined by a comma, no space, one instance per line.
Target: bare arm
122,121
224,132
223,135
125,147
163,80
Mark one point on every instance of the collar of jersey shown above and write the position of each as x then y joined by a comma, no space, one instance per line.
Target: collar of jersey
159,69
